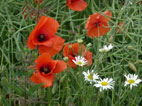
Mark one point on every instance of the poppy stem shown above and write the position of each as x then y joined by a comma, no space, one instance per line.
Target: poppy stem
38,8
38,94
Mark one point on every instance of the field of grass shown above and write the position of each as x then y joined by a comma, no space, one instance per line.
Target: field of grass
69,87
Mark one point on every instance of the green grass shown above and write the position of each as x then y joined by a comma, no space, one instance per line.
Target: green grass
69,88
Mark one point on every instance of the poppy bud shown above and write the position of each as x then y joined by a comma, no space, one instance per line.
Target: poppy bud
139,61
80,41
54,89
132,66
70,46
66,59
68,100
63,78
11,30
130,47
110,39
89,45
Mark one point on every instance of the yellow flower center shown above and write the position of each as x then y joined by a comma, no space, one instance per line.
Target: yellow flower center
104,83
79,62
90,77
131,81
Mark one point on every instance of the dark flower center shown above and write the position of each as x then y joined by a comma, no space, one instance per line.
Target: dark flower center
73,55
97,24
45,69
41,38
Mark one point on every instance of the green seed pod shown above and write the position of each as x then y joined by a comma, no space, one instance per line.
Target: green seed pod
130,47
132,66
139,61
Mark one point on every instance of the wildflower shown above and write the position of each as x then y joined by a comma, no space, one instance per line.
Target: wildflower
97,24
77,5
132,80
80,61
106,48
105,84
44,36
45,70
75,51
90,76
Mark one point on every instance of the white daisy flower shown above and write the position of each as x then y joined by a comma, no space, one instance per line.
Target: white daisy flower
90,76
104,84
106,48
132,80
80,61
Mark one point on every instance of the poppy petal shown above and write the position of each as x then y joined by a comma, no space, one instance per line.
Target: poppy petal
45,58
47,81
71,63
60,66
57,44
77,5
47,25
91,20
30,43
66,50
107,16
88,57
98,31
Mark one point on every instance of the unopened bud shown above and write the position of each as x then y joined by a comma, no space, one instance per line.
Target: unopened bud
54,89
80,41
65,59
110,39
70,46
130,47
68,100
139,61
89,45
63,79
132,66
11,30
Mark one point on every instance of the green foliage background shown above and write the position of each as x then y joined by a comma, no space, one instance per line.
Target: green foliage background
69,88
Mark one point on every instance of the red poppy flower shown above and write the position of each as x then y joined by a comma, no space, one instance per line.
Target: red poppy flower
46,68
97,24
38,0
44,36
77,49
77,5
